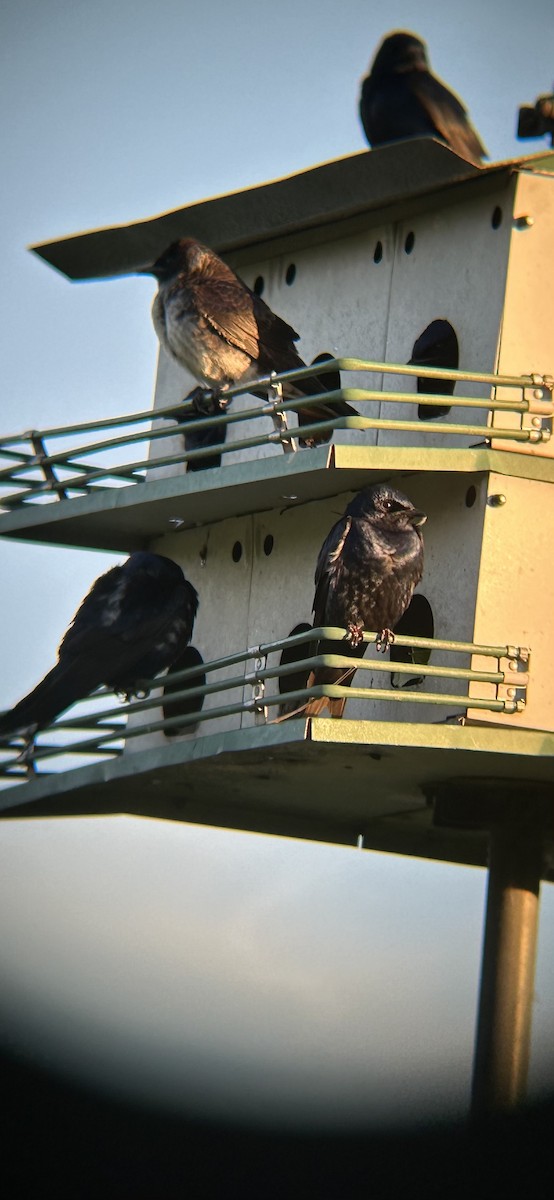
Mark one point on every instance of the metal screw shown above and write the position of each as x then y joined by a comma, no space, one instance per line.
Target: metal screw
511,693
523,222
538,394
497,500
536,421
512,665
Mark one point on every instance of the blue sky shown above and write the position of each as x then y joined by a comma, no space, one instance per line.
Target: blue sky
220,969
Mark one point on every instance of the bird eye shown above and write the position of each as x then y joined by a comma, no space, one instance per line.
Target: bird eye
388,504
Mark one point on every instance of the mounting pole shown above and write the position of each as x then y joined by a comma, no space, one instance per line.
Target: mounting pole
508,966
518,817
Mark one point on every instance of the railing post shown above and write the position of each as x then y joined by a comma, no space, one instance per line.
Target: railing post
47,470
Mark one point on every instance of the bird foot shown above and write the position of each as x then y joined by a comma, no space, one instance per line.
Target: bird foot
208,402
137,692
384,640
403,683
310,443
355,634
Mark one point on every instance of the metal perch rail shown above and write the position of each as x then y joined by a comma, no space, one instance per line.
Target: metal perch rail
39,474
500,689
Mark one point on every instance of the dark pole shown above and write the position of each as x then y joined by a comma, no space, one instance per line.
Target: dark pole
508,966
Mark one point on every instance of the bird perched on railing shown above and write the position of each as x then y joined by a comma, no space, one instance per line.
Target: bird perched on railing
401,98
367,570
134,623
210,322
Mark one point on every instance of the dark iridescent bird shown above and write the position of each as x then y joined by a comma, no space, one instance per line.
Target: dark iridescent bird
134,622
223,333
367,570
437,346
401,98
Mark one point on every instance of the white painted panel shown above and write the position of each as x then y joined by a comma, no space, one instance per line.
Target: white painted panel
526,345
456,271
173,383
337,303
516,587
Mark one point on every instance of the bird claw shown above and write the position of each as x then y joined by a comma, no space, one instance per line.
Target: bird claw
355,634
203,400
137,692
206,402
384,640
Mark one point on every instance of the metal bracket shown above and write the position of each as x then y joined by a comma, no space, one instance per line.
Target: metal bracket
258,692
538,418
516,678
47,471
275,398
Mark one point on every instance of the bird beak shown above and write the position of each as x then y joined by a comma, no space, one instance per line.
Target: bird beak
417,518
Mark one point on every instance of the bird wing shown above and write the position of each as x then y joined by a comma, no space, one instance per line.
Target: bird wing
329,567
390,111
447,114
104,608
127,628
228,308
122,618
277,337
245,320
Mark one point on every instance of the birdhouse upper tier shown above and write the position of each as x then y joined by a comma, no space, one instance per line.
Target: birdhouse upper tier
364,257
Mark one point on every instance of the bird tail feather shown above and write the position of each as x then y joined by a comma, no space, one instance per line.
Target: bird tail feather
60,688
315,706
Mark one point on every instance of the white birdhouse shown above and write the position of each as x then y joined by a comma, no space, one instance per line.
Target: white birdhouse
361,256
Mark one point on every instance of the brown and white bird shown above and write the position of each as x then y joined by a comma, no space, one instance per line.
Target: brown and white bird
210,322
367,570
401,98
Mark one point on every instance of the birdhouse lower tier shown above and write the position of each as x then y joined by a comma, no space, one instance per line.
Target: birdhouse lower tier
486,579
461,692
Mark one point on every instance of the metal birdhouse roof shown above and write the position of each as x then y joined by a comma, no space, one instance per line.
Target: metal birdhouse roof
404,177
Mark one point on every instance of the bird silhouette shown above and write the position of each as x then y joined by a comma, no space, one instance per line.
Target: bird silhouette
367,570
210,322
401,98
134,622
